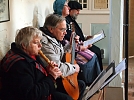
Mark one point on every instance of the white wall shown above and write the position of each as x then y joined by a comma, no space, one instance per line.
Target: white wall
22,13
116,36
88,19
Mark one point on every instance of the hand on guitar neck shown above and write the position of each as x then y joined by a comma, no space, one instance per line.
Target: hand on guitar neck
76,38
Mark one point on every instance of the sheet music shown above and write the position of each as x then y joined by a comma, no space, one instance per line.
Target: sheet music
112,64
104,78
95,81
100,35
97,86
118,69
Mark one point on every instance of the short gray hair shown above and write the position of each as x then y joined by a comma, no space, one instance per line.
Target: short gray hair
52,20
25,35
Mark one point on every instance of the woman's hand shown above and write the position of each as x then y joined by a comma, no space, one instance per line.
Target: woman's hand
54,71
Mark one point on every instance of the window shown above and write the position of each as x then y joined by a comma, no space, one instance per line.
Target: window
100,4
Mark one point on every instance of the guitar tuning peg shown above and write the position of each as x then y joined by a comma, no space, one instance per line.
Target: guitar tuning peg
69,26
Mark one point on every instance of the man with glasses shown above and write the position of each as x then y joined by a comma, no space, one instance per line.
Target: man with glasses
83,57
54,30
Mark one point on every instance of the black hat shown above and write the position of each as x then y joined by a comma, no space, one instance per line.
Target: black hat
74,5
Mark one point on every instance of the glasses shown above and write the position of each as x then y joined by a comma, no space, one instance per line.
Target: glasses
62,29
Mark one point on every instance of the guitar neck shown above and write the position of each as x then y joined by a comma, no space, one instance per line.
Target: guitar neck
73,48
73,34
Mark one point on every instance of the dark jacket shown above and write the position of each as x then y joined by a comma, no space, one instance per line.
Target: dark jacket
79,32
21,79
77,29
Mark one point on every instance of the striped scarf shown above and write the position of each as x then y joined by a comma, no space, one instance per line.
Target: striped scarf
83,57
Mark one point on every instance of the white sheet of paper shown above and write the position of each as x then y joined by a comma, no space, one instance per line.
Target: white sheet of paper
100,35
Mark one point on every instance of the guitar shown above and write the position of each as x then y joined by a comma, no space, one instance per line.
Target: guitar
70,57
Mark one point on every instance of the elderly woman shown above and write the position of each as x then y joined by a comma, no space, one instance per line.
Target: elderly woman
24,75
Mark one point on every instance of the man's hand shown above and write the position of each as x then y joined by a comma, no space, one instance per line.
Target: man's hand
90,45
76,39
82,48
77,67
88,37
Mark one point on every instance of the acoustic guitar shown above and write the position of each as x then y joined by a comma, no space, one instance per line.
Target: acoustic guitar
70,57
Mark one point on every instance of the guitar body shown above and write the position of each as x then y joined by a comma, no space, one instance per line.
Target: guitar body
70,82
73,91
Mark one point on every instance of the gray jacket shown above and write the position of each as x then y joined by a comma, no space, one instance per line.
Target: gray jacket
54,51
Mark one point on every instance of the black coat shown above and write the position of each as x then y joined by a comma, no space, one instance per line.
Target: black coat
78,30
21,80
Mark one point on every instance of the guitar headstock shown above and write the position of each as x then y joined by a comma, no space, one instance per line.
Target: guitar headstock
72,26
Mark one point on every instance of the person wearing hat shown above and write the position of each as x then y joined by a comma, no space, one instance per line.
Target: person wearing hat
75,8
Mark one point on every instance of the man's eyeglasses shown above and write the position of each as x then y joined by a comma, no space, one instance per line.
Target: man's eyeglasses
62,29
